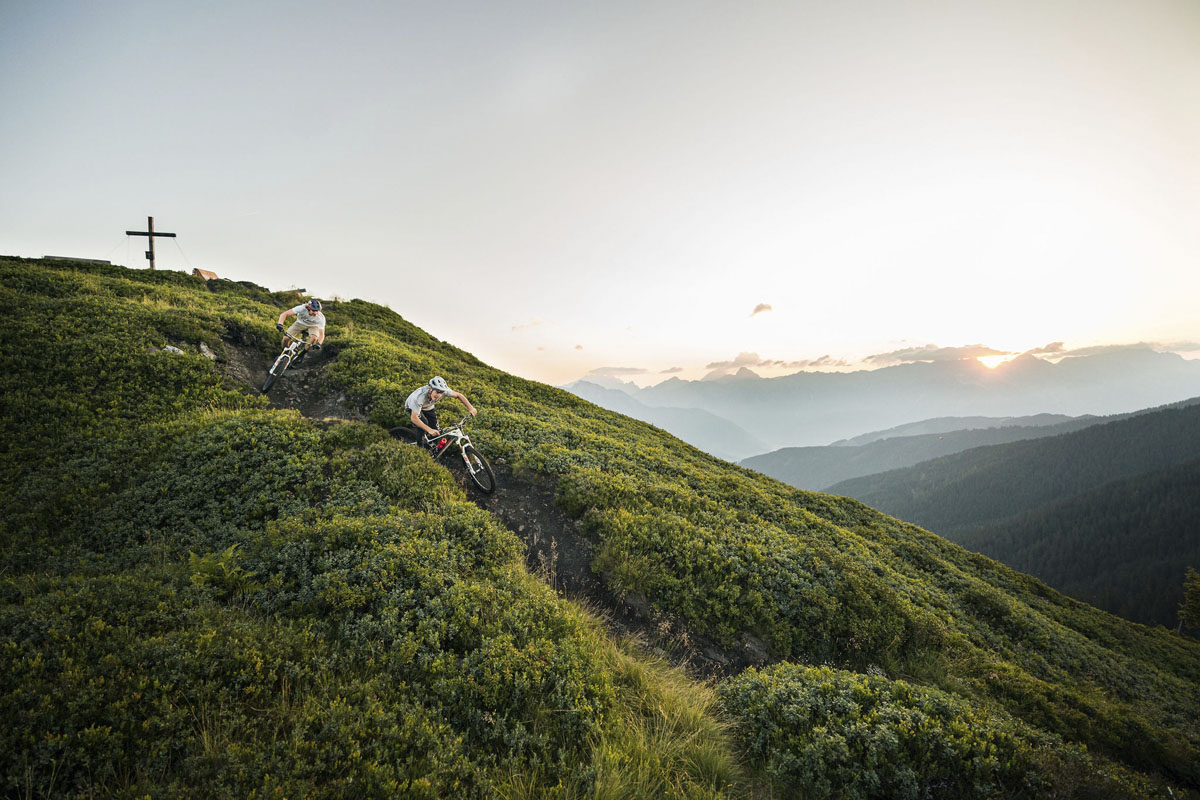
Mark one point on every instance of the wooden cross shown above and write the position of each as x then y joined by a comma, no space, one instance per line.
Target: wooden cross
149,232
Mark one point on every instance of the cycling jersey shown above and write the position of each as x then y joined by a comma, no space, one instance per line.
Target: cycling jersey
307,319
419,400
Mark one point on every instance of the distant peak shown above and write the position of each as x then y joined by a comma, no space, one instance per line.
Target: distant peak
744,373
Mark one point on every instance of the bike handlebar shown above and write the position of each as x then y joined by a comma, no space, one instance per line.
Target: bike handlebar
461,422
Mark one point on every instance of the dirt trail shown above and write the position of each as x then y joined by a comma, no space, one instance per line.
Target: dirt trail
558,549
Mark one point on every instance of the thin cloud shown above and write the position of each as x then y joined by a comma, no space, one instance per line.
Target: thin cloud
742,360
761,308
931,353
671,371
612,372
755,360
1054,348
1103,349
824,361
535,322
578,347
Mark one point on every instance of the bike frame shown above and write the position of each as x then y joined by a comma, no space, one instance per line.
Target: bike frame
458,436
291,350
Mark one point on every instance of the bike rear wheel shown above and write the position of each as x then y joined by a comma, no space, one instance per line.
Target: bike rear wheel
277,369
479,470
404,433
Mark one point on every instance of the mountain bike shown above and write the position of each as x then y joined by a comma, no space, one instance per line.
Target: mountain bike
448,438
292,352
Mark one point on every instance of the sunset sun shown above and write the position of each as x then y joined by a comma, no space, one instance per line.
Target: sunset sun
991,362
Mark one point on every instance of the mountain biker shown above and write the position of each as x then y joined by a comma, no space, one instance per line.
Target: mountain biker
421,402
309,317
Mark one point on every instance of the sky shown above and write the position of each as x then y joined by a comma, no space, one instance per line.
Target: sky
643,189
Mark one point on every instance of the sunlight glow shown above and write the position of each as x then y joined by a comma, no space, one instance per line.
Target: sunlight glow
991,362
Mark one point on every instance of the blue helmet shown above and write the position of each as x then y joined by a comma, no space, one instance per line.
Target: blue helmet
313,305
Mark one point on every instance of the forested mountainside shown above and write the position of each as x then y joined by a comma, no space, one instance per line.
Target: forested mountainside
819,468
1124,547
201,593
1037,504
945,424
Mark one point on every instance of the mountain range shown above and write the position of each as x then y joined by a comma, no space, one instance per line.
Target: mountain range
815,408
697,427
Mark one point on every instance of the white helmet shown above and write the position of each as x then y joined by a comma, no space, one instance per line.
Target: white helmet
439,383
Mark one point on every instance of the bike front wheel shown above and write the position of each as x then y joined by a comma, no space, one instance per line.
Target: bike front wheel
479,470
275,371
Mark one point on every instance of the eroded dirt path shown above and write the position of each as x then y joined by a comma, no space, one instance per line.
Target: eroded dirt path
558,549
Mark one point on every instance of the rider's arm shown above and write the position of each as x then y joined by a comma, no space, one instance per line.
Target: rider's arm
420,423
318,336
466,402
284,315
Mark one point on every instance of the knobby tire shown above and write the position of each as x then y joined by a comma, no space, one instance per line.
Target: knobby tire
272,376
482,475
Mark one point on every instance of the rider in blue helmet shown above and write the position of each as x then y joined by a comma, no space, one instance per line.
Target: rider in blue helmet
309,317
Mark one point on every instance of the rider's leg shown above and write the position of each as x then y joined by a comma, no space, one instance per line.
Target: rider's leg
294,331
430,418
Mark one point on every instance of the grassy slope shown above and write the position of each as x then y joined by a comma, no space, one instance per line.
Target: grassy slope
372,626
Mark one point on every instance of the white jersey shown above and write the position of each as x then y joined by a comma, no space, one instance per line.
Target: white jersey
308,319
419,400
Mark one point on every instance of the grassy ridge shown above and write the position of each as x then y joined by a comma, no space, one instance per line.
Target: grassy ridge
290,608
198,592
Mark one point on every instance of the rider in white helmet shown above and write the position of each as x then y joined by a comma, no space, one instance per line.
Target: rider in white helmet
420,405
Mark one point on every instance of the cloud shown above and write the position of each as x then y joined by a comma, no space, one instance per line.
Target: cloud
742,360
760,308
754,360
535,322
578,347
614,371
1053,348
931,352
824,361
671,371
1104,349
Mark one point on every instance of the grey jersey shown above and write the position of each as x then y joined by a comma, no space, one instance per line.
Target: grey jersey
419,400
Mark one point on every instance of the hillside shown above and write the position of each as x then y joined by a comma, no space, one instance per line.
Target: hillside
877,452
819,468
1004,501
946,424
202,590
1123,547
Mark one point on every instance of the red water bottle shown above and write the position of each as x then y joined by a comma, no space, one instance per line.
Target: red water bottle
441,443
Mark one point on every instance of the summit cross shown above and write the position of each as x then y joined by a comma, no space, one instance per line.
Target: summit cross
149,232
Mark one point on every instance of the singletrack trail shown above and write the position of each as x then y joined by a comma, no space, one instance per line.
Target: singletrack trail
558,549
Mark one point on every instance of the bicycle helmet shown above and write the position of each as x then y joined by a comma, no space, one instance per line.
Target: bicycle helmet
313,305
438,383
